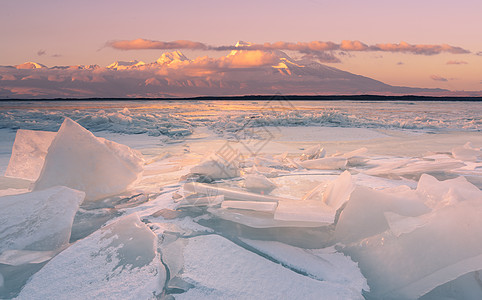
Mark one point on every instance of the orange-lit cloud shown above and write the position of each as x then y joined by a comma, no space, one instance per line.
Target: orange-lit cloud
456,62
314,47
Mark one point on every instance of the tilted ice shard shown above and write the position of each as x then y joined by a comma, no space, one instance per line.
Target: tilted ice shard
28,153
258,182
20,257
119,261
220,269
363,215
338,191
327,163
77,159
313,152
40,220
434,190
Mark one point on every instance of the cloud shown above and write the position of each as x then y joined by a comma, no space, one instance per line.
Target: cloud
149,44
479,53
400,63
419,49
314,47
438,78
42,52
456,62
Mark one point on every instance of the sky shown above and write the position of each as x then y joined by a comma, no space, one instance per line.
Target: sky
55,32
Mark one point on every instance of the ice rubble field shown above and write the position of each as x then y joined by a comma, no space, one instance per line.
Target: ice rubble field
318,213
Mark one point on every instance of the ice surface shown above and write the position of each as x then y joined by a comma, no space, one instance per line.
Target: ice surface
219,269
119,261
440,249
40,220
100,168
28,153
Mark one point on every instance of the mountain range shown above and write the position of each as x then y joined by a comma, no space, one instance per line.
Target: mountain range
241,72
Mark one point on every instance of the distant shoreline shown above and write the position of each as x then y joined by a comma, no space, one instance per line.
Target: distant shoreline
273,97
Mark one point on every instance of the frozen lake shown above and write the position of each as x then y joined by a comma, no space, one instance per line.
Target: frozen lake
241,200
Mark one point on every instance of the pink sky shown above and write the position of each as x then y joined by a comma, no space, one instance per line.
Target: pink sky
76,32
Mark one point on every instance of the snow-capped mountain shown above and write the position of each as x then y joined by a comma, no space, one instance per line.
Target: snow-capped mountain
30,65
240,72
169,57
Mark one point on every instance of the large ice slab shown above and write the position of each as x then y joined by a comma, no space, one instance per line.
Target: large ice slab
38,221
28,153
220,269
322,264
77,159
442,247
119,261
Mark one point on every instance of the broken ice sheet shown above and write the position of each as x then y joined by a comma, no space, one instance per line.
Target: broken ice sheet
363,215
40,220
467,153
77,159
437,250
320,204
28,153
119,261
220,269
